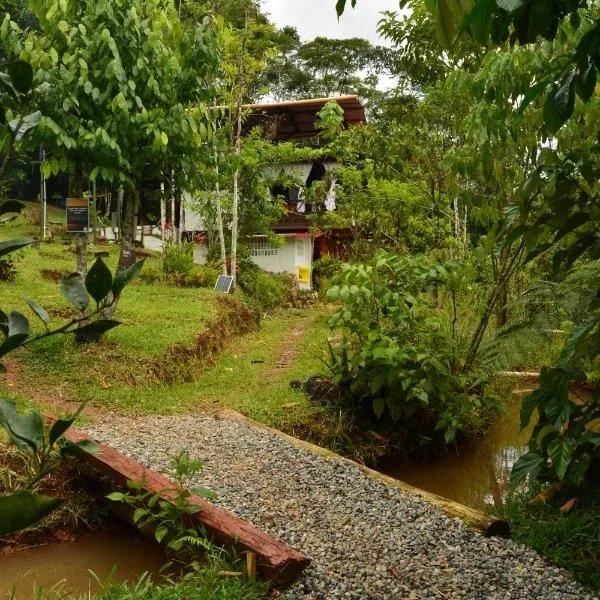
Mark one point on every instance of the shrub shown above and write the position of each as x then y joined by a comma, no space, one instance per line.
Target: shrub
202,276
178,258
152,273
8,271
266,291
396,356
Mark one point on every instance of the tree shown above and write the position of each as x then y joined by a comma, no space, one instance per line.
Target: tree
119,78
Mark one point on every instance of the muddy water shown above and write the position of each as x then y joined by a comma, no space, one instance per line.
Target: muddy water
477,475
65,568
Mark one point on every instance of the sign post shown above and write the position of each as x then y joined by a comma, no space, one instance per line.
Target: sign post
78,215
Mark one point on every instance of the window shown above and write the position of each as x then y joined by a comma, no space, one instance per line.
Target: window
262,247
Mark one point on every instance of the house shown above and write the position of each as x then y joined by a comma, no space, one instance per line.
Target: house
300,244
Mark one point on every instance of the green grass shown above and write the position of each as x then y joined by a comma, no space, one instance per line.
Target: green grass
205,582
570,540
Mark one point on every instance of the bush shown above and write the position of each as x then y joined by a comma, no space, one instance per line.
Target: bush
396,357
266,291
178,258
8,271
202,276
152,273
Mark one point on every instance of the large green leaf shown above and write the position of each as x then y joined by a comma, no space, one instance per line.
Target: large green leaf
99,280
578,336
17,331
74,291
13,245
20,126
58,428
26,431
560,452
11,206
22,509
122,278
525,465
528,405
40,311
94,330
21,75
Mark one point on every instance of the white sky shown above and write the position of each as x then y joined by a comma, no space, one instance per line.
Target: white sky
317,17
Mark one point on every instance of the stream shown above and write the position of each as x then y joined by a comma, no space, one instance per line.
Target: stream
64,568
477,474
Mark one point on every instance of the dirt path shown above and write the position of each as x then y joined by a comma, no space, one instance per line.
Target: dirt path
289,349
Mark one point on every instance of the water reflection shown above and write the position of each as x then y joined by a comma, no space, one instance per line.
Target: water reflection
478,474
65,568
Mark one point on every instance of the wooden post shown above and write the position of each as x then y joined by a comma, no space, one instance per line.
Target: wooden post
251,565
42,196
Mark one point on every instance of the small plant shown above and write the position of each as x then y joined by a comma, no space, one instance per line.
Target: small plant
266,291
8,271
201,276
169,518
178,258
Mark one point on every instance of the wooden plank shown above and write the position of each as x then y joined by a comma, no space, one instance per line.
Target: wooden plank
486,524
276,560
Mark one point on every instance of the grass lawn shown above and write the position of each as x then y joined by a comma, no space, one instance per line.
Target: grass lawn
113,373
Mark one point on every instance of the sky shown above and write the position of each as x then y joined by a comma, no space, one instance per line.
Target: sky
317,17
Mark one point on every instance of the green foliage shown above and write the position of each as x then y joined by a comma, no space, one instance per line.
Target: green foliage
203,582
169,518
265,290
567,539
330,120
38,444
202,276
178,258
396,355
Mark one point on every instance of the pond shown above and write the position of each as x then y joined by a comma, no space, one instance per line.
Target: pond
478,474
65,567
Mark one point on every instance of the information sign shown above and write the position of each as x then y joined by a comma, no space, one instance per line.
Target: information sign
78,215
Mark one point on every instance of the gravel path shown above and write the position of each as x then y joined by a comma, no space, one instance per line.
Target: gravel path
366,540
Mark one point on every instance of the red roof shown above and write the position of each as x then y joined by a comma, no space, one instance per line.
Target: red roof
296,119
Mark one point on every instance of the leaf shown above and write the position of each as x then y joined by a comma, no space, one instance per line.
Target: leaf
74,291
43,316
559,107
123,278
568,505
21,75
98,281
13,245
524,466
11,206
378,407
203,492
83,446
160,533
20,126
92,331
58,428
116,497
25,431
22,509
139,513
560,453
577,337
586,82
510,5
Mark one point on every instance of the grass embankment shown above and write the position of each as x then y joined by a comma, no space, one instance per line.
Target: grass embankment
570,540
148,364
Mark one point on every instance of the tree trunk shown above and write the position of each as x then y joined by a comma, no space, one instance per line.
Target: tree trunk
76,191
163,214
127,255
220,215
236,193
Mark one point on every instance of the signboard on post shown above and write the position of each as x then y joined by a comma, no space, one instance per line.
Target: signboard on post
78,215
224,283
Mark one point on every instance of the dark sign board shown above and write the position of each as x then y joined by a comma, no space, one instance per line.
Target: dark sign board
78,214
127,257
224,283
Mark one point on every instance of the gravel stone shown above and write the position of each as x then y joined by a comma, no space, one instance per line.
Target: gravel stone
366,540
